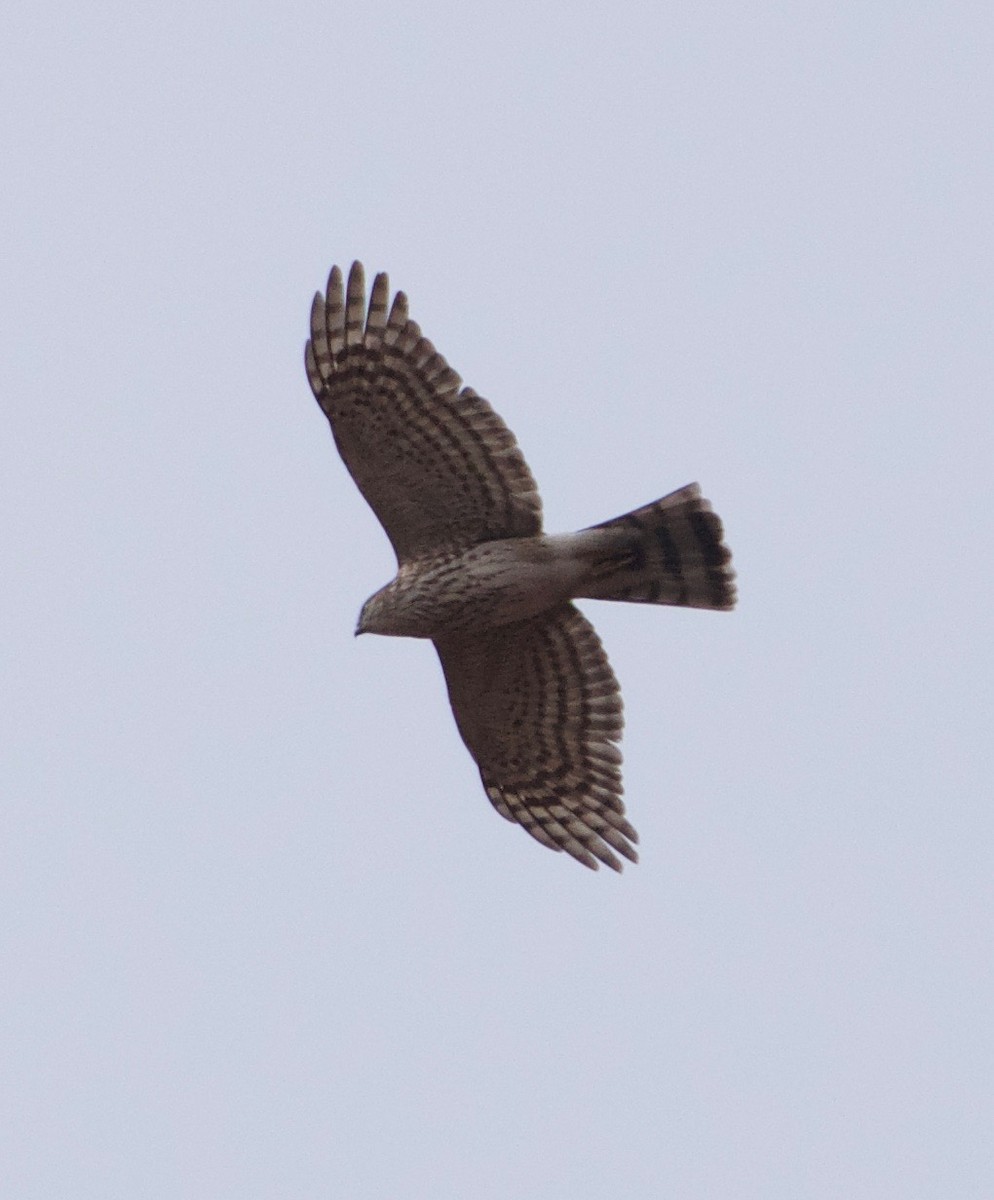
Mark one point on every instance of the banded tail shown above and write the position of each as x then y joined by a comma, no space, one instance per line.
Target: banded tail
674,555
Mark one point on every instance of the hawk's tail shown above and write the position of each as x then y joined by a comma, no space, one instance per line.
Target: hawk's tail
674,555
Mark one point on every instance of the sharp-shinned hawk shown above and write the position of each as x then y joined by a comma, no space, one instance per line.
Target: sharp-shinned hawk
533,694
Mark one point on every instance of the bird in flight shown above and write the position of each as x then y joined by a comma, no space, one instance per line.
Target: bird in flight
532,691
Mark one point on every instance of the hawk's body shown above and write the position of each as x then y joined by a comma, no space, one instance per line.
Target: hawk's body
532,691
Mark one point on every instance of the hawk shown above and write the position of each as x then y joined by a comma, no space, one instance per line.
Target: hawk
532,691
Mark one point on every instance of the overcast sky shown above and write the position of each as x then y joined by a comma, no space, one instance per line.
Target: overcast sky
261,933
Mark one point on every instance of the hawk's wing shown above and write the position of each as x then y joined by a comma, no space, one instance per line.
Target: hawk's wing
539,708
437,465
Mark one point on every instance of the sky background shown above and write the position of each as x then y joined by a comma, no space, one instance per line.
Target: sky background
261,933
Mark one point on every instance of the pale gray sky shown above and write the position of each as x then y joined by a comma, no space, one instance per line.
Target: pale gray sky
261,934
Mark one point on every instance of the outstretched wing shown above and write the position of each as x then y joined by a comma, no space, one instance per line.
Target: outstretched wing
539,708
437,465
